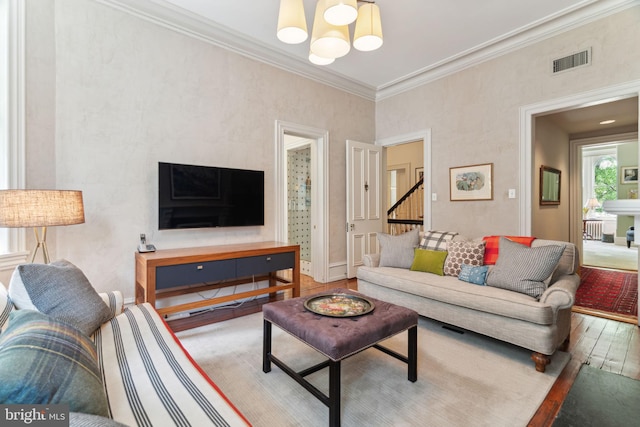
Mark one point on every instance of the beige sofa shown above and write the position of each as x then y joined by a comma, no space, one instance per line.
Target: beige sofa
541,325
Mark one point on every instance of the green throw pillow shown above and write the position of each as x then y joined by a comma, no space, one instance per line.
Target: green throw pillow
45,361
429,261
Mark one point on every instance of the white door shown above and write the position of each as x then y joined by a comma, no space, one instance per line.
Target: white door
364,202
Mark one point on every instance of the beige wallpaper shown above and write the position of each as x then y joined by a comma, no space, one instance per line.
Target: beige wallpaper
121,93
474,114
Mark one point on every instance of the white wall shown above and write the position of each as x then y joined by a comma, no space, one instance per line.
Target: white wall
474,114
121,93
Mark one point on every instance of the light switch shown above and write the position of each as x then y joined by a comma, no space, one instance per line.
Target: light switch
434,197
512,193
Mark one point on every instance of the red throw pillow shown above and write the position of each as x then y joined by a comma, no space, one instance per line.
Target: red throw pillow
493,242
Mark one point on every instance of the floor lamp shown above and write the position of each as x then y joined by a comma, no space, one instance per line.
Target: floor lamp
40,209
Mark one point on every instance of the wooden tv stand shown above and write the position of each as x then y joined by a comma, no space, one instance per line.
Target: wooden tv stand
174,272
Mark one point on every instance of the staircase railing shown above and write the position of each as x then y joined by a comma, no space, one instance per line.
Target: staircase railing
408,212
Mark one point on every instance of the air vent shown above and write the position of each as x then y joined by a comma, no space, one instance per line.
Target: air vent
570,62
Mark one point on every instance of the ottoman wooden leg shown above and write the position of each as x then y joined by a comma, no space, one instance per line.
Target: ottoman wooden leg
412,353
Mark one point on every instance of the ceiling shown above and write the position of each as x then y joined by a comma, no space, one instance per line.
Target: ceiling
423,39
587,119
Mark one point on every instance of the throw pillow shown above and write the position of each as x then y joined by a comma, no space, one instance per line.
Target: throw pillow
78,419
463,252
429,261
436,240
476,275
46,361
523,269
62,291
492,248
397,251
6,307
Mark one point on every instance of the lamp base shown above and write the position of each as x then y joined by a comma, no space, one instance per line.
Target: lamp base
41,243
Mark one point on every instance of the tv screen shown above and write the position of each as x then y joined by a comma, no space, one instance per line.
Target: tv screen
192,196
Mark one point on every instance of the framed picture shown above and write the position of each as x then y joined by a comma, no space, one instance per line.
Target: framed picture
549,185
474,182
419,174
629,175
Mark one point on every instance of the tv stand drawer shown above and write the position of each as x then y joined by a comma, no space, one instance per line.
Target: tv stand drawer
172,276
265,263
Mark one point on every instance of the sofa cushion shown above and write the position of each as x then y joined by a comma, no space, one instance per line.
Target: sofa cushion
473,274
492,248
62,291
436,240
569,261
46,361
463,252
523,269
397,251
429,261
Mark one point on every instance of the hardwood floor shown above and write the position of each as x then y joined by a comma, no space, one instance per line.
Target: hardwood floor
606,344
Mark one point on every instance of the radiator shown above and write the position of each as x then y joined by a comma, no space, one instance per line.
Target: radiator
593,230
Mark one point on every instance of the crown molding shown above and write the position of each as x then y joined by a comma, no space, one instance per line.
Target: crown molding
170,16
535,32
184,22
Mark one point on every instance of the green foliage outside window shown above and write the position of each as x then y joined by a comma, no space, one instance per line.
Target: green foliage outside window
606,180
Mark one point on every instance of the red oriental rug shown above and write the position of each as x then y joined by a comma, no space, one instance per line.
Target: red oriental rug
607,291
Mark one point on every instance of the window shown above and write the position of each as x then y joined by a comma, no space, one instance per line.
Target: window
12,130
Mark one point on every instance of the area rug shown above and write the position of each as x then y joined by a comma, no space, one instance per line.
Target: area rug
600,398
463,379
608,290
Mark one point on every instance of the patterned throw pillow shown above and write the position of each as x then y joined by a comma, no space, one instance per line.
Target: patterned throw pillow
46,361
436,240
475,275
523,269
62,291
493,246
6,307
463,252
397,251
429,261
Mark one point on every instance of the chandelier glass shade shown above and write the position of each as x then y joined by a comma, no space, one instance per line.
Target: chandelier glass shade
330,37
340,12
292,24
368,33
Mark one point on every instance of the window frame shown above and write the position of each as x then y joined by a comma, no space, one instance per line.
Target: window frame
12,139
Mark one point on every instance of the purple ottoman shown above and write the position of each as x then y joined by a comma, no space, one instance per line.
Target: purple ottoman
338,338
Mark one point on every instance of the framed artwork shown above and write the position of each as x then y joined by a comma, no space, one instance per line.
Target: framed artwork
419,174
474,182
629,175
549,186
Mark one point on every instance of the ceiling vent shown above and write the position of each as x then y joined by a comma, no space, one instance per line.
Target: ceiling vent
570,62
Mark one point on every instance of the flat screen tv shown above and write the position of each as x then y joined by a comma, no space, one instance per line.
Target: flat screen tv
192,196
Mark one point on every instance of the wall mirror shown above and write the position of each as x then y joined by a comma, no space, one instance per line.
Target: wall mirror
549,186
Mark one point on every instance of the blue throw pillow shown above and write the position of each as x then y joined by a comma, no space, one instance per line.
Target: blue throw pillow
46,361
473,274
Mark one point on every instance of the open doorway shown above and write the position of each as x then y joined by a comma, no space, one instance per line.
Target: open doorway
405,199
301,191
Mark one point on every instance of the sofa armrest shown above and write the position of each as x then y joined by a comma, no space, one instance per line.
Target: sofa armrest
561,294
114,300
371,260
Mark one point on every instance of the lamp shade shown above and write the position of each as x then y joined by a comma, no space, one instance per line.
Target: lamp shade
40,208
340,12
292,24
592,203
328,41
318,60
368,32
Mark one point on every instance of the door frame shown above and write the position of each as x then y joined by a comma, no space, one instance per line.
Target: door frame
425,136
527,115
319,192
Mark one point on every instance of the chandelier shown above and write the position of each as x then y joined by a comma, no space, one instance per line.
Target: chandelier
330,34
